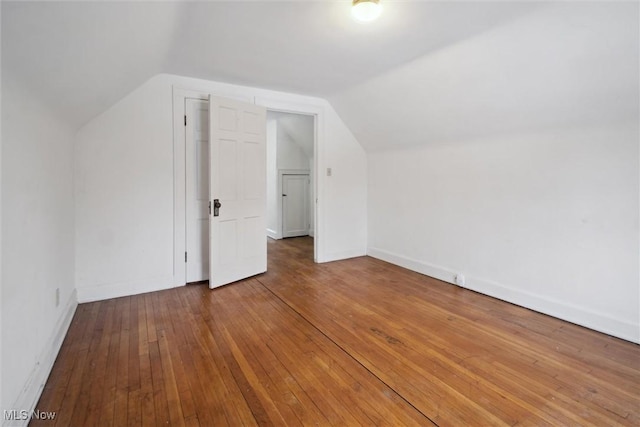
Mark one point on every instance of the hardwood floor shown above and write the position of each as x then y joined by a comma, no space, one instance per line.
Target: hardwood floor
355,342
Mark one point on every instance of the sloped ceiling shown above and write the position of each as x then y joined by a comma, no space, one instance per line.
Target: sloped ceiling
425,71
567,64
298,127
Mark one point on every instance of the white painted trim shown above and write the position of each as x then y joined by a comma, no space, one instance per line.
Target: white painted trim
1,341
273,234
341,255
31,391
552,307
179,212
122,289
431,270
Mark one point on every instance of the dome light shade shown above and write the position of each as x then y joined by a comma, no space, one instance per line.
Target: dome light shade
366,10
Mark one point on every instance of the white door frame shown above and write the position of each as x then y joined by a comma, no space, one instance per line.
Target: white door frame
194,271
179,186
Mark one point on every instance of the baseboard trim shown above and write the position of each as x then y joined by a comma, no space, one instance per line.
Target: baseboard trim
340,255
123,289
579,315
34,386
271,233
431,270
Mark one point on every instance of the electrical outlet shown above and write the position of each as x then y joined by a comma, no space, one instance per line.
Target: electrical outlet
57,297
459,279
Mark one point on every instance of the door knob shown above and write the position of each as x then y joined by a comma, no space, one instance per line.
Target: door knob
216,207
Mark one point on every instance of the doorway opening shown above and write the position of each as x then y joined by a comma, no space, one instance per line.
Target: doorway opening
291,195
298,132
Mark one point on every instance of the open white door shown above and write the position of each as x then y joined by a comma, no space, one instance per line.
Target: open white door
237,222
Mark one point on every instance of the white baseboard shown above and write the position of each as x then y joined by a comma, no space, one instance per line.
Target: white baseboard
123,289
32,390
431,270
274,235
562,310
340,255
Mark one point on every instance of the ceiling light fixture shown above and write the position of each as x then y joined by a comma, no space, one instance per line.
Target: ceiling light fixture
366,10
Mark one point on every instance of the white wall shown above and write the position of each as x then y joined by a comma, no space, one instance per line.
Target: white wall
512,157
547,220
37,241
124,196
124,187
290,155
344,224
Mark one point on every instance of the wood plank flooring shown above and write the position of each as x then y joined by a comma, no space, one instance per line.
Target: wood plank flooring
354,342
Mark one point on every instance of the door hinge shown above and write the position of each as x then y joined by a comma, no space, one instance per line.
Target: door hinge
185,119
209,207
185,257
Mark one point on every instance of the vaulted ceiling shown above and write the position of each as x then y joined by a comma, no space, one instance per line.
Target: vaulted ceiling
298,127
425,72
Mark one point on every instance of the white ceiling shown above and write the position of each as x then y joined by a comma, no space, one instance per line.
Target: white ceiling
421,73
565,64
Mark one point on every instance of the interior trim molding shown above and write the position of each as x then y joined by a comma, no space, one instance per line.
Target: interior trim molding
32,389
572,313
123,289
340,255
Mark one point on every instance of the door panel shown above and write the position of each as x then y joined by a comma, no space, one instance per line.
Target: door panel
238,245
253,179
197,190
228,170
295,205
228,231
253,236
252,122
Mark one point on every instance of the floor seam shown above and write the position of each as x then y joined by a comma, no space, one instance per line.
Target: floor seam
258,279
